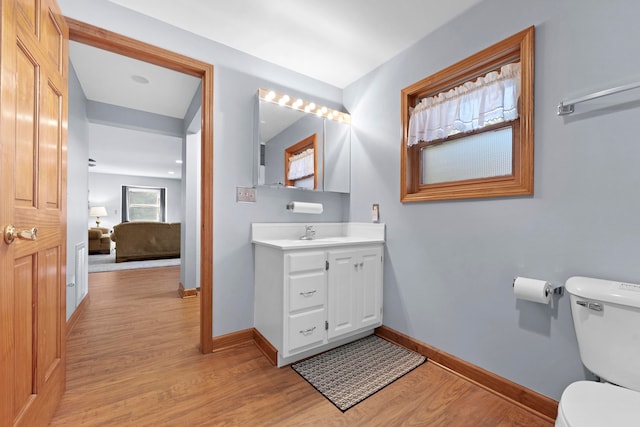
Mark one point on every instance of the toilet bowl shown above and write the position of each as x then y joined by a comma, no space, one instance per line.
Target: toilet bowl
593,404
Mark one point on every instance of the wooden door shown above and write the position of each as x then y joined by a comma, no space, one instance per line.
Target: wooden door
33,132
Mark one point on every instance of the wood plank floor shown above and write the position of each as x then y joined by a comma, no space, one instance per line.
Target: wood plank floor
133,360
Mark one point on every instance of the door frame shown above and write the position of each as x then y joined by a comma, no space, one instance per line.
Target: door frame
97,37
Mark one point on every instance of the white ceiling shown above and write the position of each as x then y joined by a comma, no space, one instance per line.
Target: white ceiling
335,41
153,155
108,78
111,78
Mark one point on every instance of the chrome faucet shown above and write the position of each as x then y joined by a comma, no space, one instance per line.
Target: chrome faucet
309,233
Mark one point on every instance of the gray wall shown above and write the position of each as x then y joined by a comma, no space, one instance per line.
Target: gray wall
191,216
77,176
106,190
234,98
450,265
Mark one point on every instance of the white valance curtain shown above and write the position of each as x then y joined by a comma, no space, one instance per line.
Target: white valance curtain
490,99
301,164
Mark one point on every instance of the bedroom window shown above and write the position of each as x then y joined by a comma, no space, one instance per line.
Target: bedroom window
468,129
143,204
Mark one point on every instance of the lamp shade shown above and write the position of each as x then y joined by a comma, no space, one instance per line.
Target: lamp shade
97,211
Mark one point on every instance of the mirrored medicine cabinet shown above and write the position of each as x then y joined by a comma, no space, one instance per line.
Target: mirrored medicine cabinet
301,145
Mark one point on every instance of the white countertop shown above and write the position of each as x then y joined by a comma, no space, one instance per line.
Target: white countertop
286,236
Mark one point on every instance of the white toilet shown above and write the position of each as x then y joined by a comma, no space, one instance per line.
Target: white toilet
606,316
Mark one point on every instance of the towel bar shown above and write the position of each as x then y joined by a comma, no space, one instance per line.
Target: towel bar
566,107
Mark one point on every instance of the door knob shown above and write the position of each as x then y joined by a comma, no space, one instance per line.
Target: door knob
11,233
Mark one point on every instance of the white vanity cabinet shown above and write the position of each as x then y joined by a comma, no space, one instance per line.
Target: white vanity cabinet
312,299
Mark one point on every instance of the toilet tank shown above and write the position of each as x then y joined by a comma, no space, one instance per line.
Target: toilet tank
606,315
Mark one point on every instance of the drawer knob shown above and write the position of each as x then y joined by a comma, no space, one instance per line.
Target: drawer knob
308,294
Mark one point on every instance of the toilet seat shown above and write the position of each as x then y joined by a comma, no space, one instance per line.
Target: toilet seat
589,403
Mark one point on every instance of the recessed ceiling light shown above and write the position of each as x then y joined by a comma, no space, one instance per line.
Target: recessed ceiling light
179,161
172,173
140,79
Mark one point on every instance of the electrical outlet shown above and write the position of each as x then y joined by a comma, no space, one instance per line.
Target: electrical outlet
375,212
245,194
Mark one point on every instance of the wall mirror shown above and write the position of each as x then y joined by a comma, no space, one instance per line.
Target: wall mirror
301,145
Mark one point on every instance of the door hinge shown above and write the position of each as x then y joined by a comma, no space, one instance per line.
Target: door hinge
326,325
326,265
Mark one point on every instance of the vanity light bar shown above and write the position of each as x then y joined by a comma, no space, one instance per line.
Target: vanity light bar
299,104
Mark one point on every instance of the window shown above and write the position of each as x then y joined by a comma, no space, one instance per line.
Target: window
300,162
143,204
468,129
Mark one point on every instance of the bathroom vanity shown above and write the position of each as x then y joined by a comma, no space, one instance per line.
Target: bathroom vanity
316,294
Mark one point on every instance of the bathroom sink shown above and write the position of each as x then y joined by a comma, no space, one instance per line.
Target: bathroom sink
317,241
313,243
287,235
332,239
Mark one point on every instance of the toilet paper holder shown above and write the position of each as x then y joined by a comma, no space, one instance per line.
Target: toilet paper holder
554,288
305,207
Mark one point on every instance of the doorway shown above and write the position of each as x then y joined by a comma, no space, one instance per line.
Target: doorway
97,37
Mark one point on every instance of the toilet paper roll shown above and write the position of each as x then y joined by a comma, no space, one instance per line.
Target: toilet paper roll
305,207
532,290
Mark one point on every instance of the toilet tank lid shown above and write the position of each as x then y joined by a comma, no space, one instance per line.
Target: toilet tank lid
610,291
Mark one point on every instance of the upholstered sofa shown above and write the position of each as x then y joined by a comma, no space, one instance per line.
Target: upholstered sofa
136,241
99,241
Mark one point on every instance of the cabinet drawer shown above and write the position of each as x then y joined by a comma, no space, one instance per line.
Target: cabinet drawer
306,290
306,329
305,261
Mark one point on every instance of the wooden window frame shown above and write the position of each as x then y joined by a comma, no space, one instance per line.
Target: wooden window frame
309,142
517,48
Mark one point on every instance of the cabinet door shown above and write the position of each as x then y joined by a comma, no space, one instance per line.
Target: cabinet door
354,288
342,292
369,308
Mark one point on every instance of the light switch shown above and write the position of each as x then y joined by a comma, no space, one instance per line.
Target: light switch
245,194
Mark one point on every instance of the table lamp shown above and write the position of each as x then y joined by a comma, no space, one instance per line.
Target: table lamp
97,211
